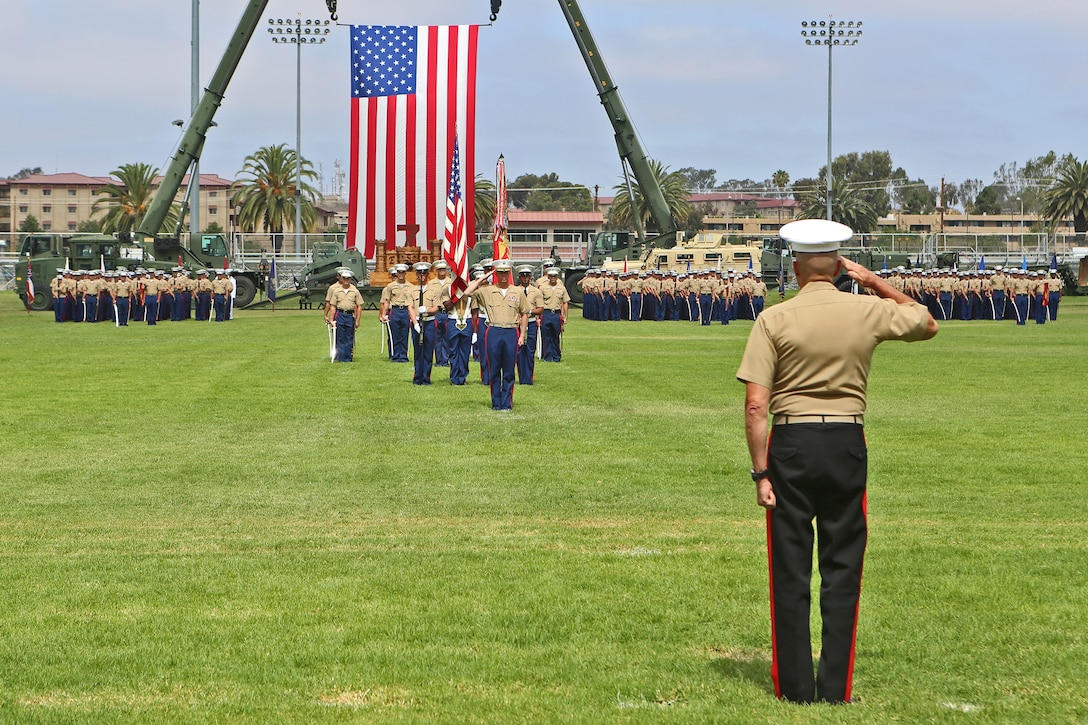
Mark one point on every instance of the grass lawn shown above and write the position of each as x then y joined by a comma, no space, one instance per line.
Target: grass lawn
210,522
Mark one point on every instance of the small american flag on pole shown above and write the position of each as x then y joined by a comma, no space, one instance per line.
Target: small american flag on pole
412,88
455,243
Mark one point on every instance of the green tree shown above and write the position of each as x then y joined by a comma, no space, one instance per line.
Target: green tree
989,201
699,181
1068,197
90,226
781,179
915,197
485,204
24,173
848,206
213,228
567,196
30,224
124,204
673,188
869,172
265,194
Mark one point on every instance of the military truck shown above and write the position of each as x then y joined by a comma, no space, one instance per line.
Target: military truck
47,252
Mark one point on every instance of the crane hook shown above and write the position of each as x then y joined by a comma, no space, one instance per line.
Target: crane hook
332,9
495,5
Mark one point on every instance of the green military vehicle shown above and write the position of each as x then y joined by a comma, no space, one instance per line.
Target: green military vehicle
48,252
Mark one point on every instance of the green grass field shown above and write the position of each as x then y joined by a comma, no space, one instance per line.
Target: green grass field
210,522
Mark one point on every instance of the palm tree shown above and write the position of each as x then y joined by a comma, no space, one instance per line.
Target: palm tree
1068,197
848,206
126,203
673,187
781,179
265,197
485,203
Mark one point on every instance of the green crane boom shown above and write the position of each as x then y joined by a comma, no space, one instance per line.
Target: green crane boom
627,142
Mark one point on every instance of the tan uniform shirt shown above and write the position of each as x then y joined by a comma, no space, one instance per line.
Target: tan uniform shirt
554,296
814,351
345,299
534,297
400,294
503,310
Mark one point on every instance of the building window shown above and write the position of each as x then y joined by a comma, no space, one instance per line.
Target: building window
71,226
23,208
46,192
213,194
71,192
71,209
47,226
22,192
213,210
47,209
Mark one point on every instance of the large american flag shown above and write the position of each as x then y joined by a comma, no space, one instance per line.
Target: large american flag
412,88
456,244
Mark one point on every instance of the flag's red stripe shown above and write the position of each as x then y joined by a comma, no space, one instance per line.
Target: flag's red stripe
353,189
468,167
410,170
451,93
431,158
371,171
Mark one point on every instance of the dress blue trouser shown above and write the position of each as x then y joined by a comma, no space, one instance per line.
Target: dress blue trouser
1040,310
502,345
1022,309
151,309
706,308
757,307
90,313
166,306
219,302
550,330
345,336
423,344
441,346
1055,298
399,322
998,312
122,311
527,353
460,347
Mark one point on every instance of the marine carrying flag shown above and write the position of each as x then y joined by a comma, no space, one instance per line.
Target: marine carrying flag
455,242
411,89
29,284
271,283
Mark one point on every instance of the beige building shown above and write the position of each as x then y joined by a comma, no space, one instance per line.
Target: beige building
61,201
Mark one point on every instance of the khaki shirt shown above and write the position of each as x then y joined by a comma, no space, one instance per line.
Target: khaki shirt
123,288
814,351
400,294
345,300
434,295
534,297
503,310
221,286
553,297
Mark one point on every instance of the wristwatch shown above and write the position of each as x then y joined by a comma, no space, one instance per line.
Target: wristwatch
758,475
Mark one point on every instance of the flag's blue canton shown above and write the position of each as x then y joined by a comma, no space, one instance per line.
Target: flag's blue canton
455,174
383,60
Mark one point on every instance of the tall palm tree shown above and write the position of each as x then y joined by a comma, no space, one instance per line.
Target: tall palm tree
673,187
1068,197
848,206
781,179
485,203
126,202
265,195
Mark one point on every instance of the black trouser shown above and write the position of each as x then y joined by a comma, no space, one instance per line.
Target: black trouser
818,470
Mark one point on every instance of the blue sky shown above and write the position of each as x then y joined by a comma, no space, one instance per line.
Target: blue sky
950,89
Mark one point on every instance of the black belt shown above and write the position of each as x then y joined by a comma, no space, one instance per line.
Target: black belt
548,309
400,307
352,310
781,419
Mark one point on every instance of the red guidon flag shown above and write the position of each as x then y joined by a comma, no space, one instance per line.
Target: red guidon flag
455,243
411,89
500,247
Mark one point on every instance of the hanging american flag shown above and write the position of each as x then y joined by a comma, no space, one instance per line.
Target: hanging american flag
500,247
411,89
455,243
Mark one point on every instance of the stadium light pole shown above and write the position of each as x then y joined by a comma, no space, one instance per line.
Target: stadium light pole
831,33
299,32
